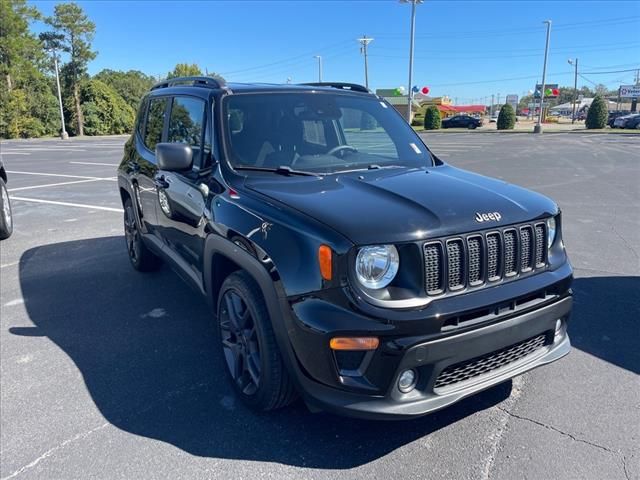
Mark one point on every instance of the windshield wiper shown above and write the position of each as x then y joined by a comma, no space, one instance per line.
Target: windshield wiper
281,170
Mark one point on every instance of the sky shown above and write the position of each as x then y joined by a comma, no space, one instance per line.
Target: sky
468,50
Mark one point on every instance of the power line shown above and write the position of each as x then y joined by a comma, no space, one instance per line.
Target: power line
611,71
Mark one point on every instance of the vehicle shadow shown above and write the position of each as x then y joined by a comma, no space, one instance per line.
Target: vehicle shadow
147,350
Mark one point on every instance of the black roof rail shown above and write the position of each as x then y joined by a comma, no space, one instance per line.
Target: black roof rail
196,81
340,85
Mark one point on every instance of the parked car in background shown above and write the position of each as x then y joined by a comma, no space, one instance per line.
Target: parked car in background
461,121
621,122
614,115
494,117
6,219
633,123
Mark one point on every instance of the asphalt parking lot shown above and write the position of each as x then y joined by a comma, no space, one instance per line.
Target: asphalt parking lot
109,373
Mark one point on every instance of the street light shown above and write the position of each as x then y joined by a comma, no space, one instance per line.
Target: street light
575,88
63,133
319,57
413,27
538,127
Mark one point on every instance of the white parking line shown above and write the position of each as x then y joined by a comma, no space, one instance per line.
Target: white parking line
54,184
68,204
95,163
14,153
59,175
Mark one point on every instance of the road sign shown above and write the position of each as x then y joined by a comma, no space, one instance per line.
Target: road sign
629,91
513,101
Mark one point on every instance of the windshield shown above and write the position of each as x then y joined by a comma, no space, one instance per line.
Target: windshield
319,132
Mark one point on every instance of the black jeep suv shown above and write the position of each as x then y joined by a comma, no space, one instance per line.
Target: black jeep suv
344,261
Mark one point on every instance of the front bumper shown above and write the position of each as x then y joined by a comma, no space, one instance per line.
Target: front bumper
480,356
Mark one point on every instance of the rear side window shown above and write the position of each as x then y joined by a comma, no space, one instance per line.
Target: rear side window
155,122
186,123
140,119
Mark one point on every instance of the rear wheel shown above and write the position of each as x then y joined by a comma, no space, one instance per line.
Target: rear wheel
6,217
142,259
251,354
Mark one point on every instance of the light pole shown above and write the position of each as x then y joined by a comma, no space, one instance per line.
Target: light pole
63,133
538,127
364,41
575,88
319,57
413,27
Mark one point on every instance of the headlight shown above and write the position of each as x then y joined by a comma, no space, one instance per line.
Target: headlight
551,231
377,266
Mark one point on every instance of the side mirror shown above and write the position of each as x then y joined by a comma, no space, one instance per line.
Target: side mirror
174,157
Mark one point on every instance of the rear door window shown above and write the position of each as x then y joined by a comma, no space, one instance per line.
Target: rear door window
155,122
186,123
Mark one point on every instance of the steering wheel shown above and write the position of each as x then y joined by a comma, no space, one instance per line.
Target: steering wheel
340,148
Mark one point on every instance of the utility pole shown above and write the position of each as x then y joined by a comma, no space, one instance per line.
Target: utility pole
413,27
492,97
575,88
538,127
498,99
364,41
319,57
63,134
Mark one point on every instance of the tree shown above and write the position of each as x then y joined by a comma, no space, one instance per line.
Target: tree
185,70
191,70
432,119
506,117
105,112
27,103
131,85
76,33
598,113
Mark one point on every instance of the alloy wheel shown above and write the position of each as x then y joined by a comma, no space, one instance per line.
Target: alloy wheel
6,208
131,234
240,342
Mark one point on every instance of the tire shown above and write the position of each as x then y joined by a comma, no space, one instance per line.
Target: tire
6,216
254,365
472,126
142,259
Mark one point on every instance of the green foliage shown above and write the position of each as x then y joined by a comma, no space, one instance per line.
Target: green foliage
27,103
105,112
131,85
191,70
506,117
185,70
432,118
598,113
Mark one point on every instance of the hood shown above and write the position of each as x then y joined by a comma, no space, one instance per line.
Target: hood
390,206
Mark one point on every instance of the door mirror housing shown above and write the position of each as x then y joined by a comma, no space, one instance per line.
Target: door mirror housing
174,157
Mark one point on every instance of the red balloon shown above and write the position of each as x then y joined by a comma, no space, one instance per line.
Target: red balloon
425,90
556,92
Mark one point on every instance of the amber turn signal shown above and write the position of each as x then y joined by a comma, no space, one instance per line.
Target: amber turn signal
354,343
325,260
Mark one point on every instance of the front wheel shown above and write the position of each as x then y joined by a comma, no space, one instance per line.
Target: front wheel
6,217
472,126
253,359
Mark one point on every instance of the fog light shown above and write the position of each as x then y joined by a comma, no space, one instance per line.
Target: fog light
407,381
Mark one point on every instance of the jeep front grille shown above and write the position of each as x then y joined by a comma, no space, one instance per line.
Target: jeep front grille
480,258
492,361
